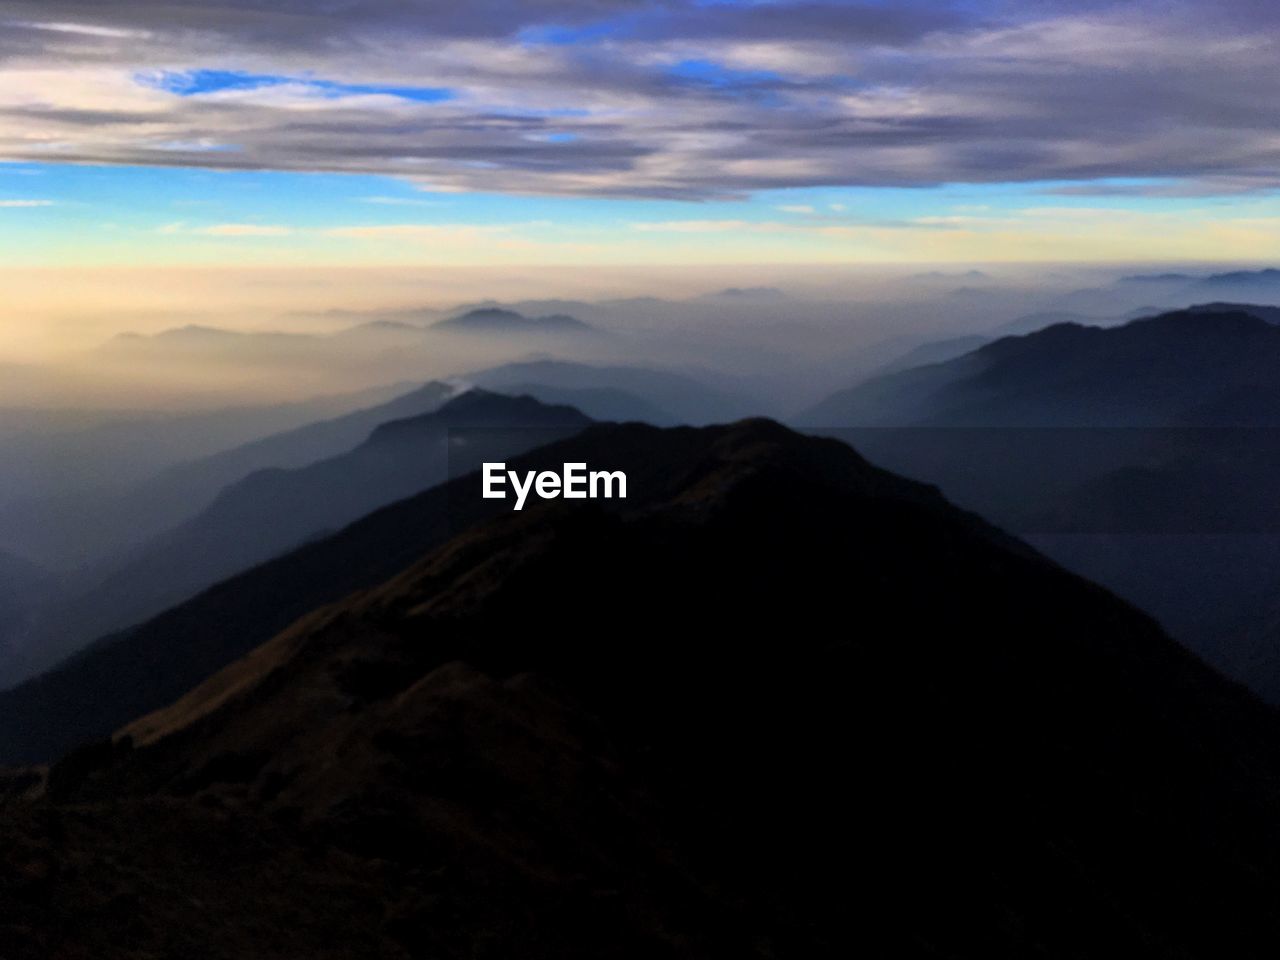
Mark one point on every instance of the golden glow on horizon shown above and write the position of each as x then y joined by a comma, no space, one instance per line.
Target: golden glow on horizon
1045,234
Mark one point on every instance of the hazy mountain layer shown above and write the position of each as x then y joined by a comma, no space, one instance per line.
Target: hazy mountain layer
97,528
271,511
1177,369
60,480
1143,456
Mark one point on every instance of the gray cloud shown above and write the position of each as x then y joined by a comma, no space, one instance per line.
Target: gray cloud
671,99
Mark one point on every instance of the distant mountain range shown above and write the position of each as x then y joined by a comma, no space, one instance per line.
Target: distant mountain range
1143,456
155,542
1200,366
273,510
779,704
377,332
1268,276
491,320
89,528
47,455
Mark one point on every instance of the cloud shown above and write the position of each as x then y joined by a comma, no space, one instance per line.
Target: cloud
23,204
657,98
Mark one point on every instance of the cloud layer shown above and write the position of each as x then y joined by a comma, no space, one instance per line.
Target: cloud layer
667,98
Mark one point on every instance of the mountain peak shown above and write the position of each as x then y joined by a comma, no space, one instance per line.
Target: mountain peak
519,719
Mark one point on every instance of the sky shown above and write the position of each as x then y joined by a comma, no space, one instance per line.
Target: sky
384,133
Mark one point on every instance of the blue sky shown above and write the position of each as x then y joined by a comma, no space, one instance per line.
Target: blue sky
53,213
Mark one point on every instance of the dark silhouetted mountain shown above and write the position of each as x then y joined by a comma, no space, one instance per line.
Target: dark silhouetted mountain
498,320
665,395
271,511
781,704
1269,314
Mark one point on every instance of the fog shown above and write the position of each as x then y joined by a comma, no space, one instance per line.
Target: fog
136,340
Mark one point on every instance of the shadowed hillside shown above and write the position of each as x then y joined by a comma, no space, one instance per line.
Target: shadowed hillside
1143,456
782,704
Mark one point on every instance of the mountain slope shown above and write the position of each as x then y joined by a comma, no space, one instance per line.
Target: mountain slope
781,704
1176,369
1141,456
101,528
271,511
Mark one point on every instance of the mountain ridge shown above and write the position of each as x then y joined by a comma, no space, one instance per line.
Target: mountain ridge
695,764
273,510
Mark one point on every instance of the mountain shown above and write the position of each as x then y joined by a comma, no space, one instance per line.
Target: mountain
1177,369
274,510
1033,322
780,704
95,529
936,351
201,341
498,320
1244,285
1140,456
599,403
1267,313
52,457
1268,277
199,480
649,394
